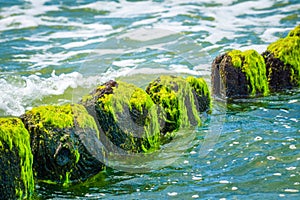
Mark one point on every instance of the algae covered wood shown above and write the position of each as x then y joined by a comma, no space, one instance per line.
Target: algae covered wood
283,61
238,74
16,177
181,100
60,144
126,115
201,93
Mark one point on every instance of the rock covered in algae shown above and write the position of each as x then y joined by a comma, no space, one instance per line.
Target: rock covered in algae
239,74
126,115
62,143
283,62
16,177
176,96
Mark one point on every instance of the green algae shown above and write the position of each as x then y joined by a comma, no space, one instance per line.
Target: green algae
253,65
175,96
66,181
83,118
140,100
63,116
129,96
288,51
14,134
201,88
77,155
125,95
57,124
52,116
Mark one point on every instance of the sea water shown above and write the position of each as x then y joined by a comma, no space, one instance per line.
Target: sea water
54,52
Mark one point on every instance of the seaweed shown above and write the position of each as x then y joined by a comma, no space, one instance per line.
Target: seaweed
287,50
16,178
175,96
126,115
252,64
59,142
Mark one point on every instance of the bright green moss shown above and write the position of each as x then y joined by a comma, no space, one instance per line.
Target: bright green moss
288,50
295,32
62,116
125,95
166,97
254,67
201,88
129,96
86,98
52,116
77,155
140,99
83,119
67,181
59,123
199,84
173,93
14,134
114,103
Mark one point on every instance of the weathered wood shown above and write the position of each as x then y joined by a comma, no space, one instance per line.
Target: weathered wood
126,115
181,102
283,62
239,74
60,144
16,175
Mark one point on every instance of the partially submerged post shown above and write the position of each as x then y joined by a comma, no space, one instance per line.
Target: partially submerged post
283,62
62,143
126,115
16,176
239,74
181,100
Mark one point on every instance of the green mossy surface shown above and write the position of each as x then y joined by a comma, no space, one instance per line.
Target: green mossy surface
288,51
56,125
175,96
64,116
52,116
201,88
253,65
127,96
83,118
14,134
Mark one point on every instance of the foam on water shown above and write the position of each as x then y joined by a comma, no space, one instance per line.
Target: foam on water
18,93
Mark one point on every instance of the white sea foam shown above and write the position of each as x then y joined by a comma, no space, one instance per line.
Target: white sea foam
18,94
128,63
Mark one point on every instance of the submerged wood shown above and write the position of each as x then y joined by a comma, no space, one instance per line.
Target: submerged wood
237,74
60,144
126,115
16,175
283,62
181,101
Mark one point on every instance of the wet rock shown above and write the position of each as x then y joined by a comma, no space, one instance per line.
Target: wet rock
16,177
62,139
